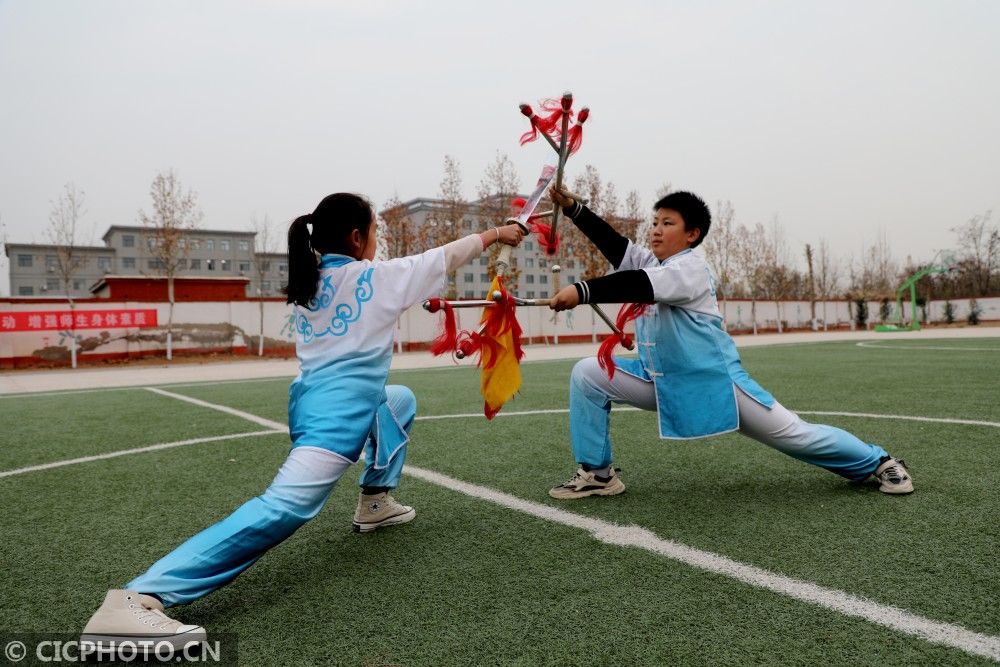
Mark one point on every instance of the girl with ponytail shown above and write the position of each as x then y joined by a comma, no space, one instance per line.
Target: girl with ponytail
345,309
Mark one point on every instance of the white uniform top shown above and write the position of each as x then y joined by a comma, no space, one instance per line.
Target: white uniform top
344,346
684,350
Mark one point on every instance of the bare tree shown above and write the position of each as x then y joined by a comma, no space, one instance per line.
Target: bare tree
444,224
720,251
827,276
265,245
175,213
632,217
752,256
811,288
497,189
64,234
398,233
980,245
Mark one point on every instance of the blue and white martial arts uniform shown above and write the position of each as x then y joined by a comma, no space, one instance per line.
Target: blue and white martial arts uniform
689,371
338,405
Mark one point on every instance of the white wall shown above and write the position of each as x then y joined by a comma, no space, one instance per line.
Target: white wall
227,325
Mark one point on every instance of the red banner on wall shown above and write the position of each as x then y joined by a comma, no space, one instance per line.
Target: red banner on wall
39,320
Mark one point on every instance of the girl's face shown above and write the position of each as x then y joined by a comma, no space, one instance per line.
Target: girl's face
362,248
368,252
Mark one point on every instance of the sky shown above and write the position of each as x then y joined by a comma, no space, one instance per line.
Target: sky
847,121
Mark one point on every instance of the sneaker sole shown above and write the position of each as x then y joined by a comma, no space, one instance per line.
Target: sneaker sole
560,494
406,517
896,490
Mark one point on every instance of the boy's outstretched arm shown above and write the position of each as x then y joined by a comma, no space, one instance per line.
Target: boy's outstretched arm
623,286
605,237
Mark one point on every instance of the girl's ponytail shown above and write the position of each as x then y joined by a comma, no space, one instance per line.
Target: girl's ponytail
303,269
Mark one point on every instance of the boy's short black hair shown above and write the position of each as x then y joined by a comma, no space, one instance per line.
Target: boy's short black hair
692,209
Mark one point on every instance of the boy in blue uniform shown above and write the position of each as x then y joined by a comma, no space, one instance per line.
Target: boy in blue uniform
687,369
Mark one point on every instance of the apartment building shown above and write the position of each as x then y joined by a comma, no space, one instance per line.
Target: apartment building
128,251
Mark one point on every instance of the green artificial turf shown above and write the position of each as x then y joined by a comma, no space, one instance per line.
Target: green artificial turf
472,583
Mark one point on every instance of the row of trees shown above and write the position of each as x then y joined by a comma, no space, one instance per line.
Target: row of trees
753,262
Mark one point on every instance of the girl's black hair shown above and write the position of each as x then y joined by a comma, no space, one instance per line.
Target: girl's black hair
332,223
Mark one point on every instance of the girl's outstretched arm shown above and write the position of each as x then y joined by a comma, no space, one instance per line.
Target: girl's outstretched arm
464,250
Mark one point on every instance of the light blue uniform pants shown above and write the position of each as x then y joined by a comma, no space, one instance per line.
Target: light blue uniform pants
216,555
591,394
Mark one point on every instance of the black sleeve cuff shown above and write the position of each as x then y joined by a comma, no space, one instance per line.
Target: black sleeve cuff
622,286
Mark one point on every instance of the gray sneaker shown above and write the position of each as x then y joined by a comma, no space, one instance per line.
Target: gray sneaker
127,616
894,477
381,509
584,484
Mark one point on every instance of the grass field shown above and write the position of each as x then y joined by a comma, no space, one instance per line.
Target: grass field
490,574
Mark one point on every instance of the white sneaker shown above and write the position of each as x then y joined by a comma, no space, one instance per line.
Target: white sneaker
584,484
127,616
894,477
379,510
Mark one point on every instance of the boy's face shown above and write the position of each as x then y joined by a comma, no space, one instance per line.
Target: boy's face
667,236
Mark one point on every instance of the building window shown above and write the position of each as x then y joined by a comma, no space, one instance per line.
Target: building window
195,265
210,264
78,284
282,267
266,286
209,244
530,278
468,277
244,267
530,262
469,294
194,244
528,245
223,265
484,260
244,246
24,261
224,245
531,294
51,262
25,290
485,277
51,284
542,263
543,279
128,263
155,264
104,263
572,278
265,266
181,243
150,242
182,264
544,294
570,264
128,241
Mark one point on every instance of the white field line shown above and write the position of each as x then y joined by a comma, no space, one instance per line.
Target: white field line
913,418
936,632
137,450
883,346
278,426
894,618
